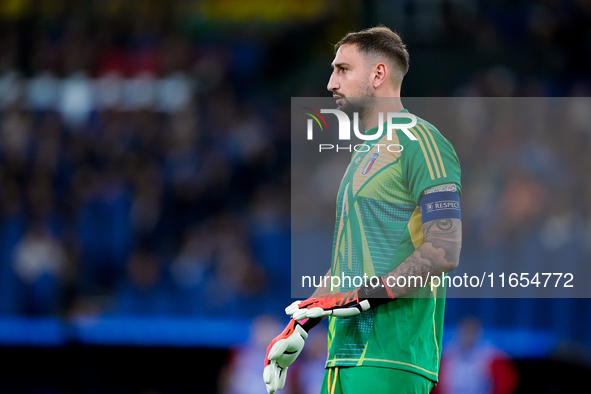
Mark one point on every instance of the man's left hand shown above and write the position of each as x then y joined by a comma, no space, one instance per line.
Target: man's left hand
341,304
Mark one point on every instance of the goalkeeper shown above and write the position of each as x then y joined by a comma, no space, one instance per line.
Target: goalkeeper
398,215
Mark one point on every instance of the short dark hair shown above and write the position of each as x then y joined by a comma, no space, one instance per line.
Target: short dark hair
380,41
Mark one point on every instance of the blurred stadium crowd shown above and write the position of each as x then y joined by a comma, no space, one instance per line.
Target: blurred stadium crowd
144,157
134,180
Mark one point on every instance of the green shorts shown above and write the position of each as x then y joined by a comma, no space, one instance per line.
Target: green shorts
361,380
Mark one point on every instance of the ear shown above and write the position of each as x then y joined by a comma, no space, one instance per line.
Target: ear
380,74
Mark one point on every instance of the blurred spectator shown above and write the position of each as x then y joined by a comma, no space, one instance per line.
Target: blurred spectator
471,365
238,282
192,270
144,292
39,263
103,227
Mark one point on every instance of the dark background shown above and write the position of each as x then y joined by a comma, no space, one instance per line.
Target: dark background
145,180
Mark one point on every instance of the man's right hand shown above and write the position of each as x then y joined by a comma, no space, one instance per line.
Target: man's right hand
283,351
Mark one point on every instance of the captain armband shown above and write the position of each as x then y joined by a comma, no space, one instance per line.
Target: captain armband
440,205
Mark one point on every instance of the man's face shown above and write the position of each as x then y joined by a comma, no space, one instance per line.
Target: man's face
350,81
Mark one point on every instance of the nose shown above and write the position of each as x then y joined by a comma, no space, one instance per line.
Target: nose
332,83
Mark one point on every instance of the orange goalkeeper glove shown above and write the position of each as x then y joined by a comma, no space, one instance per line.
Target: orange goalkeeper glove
341,304
283,351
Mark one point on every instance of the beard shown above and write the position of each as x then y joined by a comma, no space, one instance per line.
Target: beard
361,105
361,102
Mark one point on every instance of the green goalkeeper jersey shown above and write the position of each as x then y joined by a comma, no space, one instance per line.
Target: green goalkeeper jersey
378,225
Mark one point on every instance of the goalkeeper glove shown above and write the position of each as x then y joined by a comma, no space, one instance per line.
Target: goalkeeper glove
341,304
283,351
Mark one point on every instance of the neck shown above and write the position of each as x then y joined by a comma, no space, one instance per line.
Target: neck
382,104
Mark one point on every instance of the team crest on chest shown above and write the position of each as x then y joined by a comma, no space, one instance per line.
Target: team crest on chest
368,166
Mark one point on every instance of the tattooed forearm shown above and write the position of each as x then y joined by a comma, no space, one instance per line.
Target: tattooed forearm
446,235
439,253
